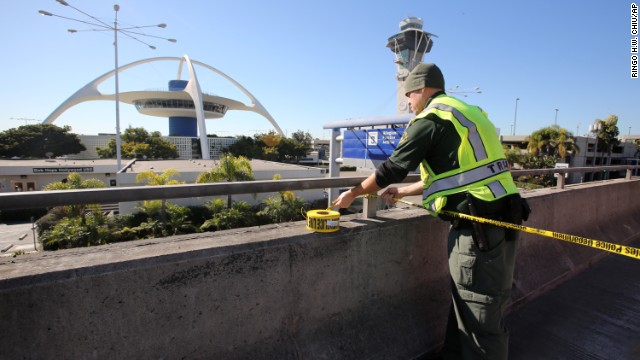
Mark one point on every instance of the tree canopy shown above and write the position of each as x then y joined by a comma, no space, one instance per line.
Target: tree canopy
152,178
303,142
39,141
546,147
552,141
273,147
138,142
230,168
72,182
75,181
607,133
246,146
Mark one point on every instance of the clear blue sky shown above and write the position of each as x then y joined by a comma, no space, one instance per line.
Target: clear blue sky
314,62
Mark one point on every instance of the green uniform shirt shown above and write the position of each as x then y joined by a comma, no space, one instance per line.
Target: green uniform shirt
429,138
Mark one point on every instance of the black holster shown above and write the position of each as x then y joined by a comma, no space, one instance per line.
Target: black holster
516,211
479,237
512,209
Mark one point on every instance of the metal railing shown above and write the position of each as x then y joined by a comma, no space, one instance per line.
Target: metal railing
41,199
594,169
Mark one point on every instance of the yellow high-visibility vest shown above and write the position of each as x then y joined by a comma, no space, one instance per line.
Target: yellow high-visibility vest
484,170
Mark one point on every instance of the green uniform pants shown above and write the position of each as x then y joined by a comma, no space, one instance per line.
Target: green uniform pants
481,284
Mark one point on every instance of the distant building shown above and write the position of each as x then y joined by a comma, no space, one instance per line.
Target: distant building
186,146
184,104
629,138
33,175
624,154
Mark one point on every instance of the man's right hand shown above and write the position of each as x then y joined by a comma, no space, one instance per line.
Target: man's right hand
390,194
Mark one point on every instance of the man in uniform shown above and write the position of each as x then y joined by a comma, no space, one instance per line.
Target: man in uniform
463,169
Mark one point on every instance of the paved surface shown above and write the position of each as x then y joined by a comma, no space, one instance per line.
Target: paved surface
10,238
592,316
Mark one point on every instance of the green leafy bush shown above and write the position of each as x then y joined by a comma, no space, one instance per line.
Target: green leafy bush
283,209
73,232
241,214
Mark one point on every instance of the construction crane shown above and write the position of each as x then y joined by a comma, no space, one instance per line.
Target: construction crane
26,120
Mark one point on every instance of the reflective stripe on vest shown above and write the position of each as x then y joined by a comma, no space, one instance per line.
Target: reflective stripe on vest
469,177
483,170
497,189
474,138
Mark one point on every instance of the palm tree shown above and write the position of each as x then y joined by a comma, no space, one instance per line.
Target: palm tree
285,207
285,195
608,134
230,168
552,141
151,178
75,181
566,143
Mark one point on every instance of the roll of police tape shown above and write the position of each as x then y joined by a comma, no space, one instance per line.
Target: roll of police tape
323,220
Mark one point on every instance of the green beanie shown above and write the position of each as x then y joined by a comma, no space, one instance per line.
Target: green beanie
422,76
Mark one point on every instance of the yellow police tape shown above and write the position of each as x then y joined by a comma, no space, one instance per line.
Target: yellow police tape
323,220
596,244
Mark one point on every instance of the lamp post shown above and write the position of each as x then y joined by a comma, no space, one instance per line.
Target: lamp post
515,117
127,31
595,130
555,121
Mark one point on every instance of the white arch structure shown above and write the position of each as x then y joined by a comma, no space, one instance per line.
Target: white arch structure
192,89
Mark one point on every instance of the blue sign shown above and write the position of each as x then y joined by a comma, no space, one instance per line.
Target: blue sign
375,144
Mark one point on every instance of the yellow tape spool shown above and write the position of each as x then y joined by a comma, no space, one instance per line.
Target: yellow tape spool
323,220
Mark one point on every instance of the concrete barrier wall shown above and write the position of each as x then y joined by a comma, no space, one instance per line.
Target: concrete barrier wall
607,211
377,289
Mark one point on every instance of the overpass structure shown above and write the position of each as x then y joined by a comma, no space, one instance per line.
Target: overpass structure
376,289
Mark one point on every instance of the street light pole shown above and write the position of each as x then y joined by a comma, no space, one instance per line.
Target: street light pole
595,129
118,138
515,117
125,31
555,121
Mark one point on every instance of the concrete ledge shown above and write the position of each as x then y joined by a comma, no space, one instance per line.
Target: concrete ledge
260,293
377,289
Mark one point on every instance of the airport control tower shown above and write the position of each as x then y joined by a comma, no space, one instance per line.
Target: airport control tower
409,45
